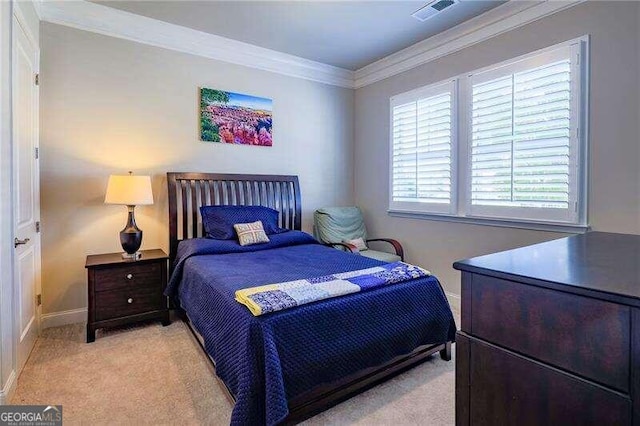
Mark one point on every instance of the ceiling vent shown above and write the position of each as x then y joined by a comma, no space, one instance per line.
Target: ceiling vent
433,8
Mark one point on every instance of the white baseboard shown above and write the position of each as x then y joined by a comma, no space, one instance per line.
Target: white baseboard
56,319
454,300
9,388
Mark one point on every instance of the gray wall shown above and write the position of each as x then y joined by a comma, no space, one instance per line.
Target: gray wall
110,105
614,139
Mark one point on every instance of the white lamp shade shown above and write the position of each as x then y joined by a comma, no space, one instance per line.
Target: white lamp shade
129,190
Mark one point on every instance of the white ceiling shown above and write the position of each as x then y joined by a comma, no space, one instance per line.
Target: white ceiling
347,34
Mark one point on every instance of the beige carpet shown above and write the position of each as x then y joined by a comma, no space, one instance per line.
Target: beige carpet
158,375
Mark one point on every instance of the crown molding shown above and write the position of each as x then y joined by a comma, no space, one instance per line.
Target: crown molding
112,22
100,19
494,22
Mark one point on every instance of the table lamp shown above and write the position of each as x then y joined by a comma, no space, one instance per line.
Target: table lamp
130,191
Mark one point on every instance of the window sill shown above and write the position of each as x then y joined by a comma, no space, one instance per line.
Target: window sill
503,223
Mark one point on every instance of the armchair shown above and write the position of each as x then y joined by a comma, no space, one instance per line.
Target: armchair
339,226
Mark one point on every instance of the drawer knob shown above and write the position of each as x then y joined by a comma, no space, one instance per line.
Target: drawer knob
129,300
129,276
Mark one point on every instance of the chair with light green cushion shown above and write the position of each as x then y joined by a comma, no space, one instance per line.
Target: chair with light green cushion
335,226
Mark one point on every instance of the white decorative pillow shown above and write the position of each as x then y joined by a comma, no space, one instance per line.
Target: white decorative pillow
250,233
358,242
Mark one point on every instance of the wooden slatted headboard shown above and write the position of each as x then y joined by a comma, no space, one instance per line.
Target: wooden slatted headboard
189,191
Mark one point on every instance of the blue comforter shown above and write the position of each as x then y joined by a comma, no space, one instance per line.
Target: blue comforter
267,360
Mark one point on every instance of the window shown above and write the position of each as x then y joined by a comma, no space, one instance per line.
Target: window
422,131
522,150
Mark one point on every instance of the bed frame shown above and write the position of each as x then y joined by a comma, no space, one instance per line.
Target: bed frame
189,191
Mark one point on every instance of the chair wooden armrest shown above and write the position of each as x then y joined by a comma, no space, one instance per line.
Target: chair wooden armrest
396,245
350,247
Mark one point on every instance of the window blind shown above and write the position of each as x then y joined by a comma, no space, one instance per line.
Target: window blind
521,140
503,143
422,140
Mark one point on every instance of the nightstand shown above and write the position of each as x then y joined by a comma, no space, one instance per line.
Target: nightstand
123,291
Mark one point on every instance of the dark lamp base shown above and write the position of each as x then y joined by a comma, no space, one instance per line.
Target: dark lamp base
131,235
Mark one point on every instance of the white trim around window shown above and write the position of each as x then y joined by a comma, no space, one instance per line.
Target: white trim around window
517,144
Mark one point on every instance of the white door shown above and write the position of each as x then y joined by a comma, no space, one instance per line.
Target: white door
26,191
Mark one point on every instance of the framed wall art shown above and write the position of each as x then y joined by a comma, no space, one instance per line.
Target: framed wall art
234,118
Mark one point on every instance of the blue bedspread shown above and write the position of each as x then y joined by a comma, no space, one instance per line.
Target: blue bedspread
267,360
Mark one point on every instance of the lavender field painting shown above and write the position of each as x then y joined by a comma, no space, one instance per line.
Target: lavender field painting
234,118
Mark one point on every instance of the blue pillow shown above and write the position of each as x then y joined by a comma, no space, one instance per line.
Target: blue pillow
218,221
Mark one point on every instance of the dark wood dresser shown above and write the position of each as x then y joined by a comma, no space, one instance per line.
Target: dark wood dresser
551,334
125,291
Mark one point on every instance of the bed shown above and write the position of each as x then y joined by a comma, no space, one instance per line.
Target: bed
286,366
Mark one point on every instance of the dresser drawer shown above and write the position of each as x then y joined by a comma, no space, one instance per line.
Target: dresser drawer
124,302
585,336
141,275
508,389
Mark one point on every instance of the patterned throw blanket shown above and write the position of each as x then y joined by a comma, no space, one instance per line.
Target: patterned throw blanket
277,297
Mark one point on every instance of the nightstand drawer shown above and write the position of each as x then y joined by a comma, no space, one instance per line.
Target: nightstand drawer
128,276
122,303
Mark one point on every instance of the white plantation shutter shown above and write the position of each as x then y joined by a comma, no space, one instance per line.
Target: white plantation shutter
523,144
404,161
422,147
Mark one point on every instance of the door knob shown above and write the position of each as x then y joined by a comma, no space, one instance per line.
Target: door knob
17,242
